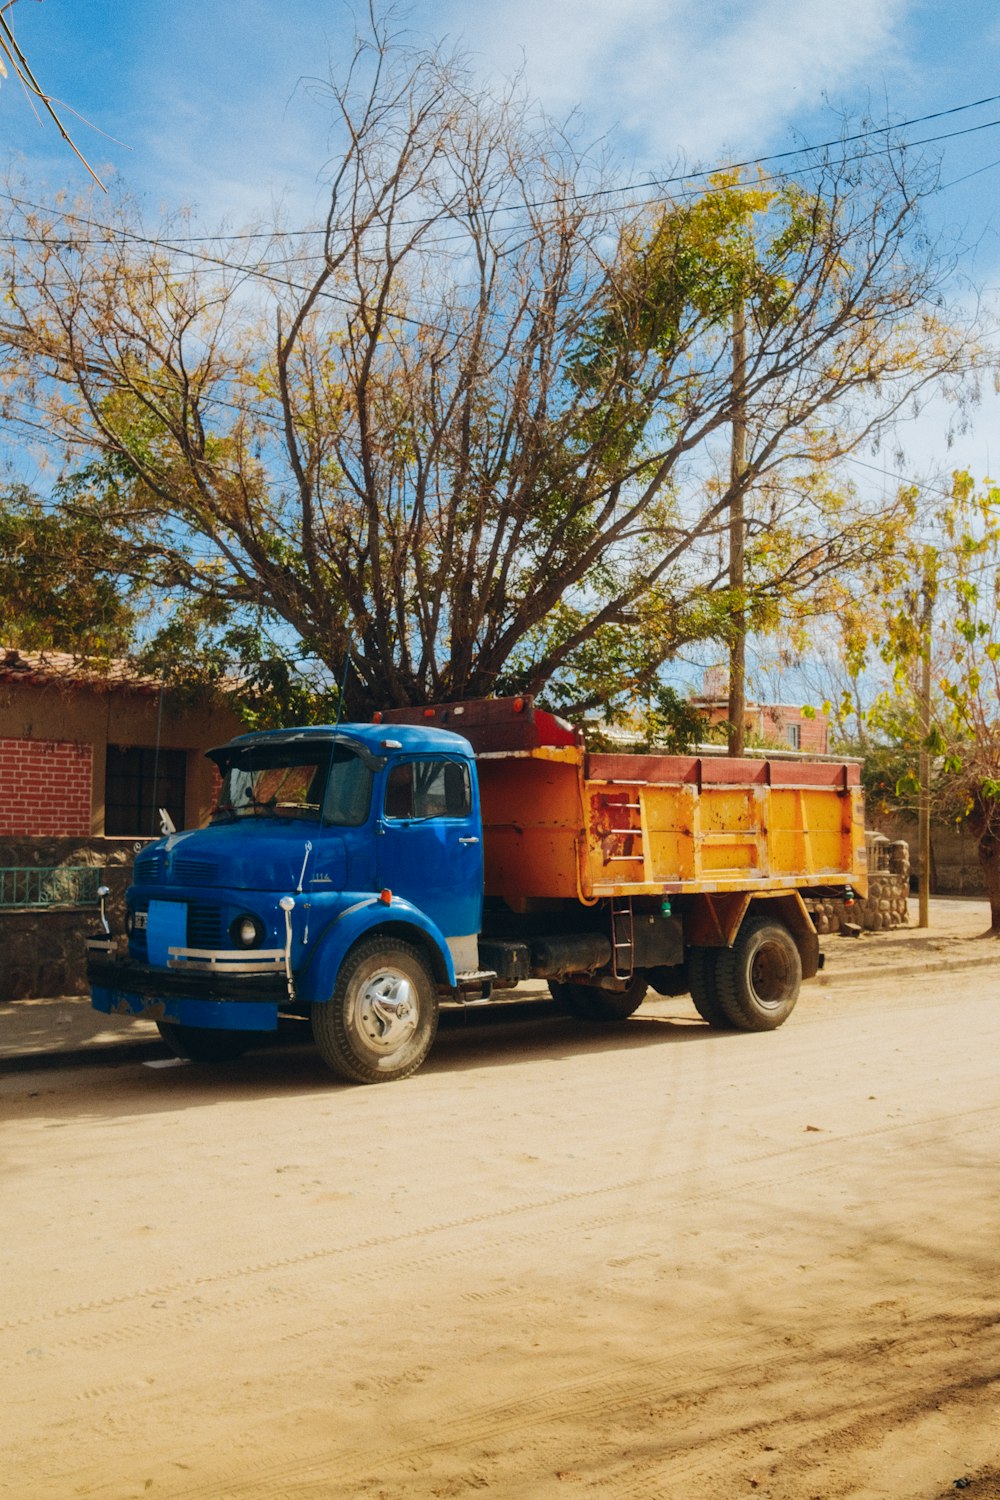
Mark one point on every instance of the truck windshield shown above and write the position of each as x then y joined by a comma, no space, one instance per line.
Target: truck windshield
293,781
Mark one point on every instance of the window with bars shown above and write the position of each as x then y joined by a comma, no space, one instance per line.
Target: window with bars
132,798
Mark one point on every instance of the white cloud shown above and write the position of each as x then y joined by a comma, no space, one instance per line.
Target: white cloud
686,75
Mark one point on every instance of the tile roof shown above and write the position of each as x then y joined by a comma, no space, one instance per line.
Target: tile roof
43,668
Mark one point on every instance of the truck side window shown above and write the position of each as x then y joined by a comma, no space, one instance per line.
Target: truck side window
349,790
428,789
399,792
457,791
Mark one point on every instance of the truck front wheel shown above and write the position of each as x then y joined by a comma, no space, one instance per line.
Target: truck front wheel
379,1024
588,1003
757,980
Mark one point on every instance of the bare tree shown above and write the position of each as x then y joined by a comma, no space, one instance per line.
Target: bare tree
470,428
21,68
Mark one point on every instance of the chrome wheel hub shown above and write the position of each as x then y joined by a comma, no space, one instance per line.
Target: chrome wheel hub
387,1011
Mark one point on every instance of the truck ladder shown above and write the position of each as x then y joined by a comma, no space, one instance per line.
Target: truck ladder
622,937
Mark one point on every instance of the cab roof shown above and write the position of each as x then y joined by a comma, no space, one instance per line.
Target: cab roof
376,739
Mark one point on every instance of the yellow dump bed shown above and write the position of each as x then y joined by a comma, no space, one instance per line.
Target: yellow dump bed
560,822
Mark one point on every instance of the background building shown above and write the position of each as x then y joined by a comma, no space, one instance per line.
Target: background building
86,762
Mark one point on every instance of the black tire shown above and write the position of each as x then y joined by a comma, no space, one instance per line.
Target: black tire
669,979
203,1043
380,1022
588,1003
701,967
758,978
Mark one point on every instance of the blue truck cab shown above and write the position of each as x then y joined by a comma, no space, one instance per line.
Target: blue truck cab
339,878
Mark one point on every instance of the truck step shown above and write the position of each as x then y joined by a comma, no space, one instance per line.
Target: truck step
475,986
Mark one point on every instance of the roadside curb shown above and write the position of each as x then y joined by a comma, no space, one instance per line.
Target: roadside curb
944,965
106,1054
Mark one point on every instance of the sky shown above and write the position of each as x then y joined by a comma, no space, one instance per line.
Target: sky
217,105
211,102
214,105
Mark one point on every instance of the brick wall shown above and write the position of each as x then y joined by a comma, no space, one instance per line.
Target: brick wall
770,723
45,788
776,720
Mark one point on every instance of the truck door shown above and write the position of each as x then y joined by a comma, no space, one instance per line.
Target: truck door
429,844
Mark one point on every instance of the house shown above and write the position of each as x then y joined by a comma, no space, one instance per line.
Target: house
86,754
784,726
87,760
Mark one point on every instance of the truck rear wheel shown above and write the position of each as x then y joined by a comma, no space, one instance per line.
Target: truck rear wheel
588,1003
204,1043
701,971
380,1022
758,978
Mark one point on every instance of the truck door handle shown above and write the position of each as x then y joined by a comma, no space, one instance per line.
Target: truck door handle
470,840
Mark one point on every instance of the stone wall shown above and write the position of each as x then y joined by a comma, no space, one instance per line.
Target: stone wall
888,889
41,950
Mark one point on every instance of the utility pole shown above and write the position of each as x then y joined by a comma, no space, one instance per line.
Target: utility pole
924,764
737,536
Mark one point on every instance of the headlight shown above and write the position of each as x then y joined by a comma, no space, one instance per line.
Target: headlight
246,931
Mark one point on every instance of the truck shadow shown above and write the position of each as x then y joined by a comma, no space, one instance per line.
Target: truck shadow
516,1031
503,1035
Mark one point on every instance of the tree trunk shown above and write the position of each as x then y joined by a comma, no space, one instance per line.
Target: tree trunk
989,862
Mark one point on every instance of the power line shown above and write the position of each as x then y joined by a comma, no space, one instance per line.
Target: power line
263,272
176,243
700,174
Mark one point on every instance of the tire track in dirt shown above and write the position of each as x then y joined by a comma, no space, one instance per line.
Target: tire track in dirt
644,1397
147,1327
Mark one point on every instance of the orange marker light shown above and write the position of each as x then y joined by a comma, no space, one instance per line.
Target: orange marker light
519,705
385,897
377,717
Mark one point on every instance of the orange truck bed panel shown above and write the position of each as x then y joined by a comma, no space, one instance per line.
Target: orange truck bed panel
557,823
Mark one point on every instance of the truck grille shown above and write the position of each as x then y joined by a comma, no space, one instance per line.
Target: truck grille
151,869
204,929
204,926
195,871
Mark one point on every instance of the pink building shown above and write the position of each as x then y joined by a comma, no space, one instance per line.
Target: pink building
782,725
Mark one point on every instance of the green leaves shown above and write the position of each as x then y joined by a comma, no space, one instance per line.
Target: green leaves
63,581
941,606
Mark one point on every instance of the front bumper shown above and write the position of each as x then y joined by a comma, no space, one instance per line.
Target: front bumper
230,1002
144,979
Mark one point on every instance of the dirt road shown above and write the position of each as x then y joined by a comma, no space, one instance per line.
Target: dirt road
559,1261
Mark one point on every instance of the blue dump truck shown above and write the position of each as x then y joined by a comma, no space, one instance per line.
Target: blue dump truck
361,875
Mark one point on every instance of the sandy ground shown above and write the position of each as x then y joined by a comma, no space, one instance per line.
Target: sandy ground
560,1261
